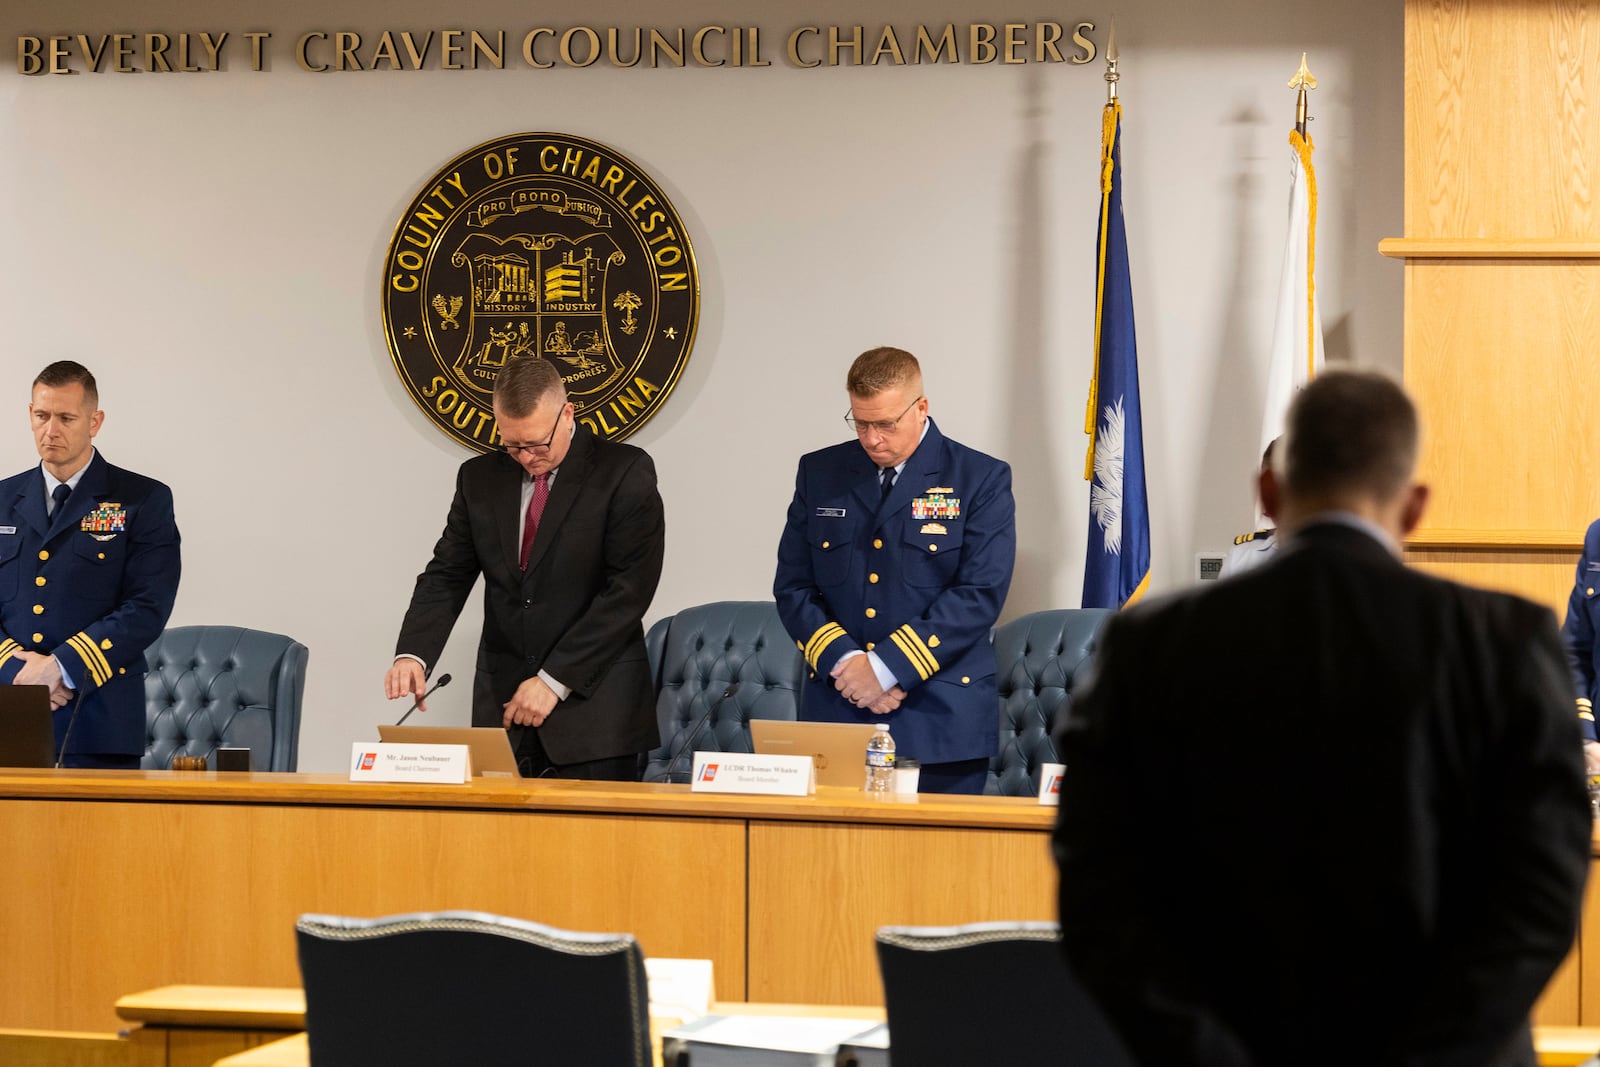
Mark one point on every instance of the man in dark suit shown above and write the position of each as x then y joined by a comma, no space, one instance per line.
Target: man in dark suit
893,565
89,565
568,532
1359,837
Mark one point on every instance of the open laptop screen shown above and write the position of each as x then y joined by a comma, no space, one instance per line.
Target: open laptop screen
837,749
491,748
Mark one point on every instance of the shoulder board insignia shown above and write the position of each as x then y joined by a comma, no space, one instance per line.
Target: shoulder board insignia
1244,539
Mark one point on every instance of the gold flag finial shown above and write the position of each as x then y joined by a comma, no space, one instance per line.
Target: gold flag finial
1303,79
1112,77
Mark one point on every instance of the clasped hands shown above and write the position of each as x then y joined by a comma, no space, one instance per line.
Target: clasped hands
854,678
39,669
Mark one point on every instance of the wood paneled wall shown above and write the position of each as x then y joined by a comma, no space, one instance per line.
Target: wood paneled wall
1502,276
1502,312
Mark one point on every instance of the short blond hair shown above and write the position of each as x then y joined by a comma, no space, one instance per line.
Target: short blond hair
882,368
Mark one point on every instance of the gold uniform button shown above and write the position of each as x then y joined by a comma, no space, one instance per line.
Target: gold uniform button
824,544
122,670
877,542
38,639
873,578
1589,591
871,646
38,609
933,548
965,680
43,554
102,555
872,613
39,580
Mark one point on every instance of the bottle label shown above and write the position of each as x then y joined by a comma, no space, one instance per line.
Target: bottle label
880,759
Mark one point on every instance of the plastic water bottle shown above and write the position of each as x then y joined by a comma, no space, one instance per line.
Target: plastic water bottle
880,762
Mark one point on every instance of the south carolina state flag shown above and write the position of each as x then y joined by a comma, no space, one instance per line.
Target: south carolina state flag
1117,567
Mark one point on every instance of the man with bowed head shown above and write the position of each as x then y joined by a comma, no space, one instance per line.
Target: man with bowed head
568,532
893,566
1362,836
89,566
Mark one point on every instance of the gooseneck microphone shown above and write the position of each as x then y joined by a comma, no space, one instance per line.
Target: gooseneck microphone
688,740
444,680
72,720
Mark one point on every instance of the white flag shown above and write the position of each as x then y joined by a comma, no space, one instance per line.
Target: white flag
1297,332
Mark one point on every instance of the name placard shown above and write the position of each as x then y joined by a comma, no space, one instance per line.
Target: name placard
1050,775
372,761
740,772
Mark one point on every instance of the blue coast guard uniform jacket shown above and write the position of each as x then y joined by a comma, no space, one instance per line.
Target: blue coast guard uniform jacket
1578,632
919,580
92,586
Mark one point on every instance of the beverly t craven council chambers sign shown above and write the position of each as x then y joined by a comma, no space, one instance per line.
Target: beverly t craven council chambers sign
194,51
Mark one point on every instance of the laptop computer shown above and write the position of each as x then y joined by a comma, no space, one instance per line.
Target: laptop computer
837,749
491,748
26,739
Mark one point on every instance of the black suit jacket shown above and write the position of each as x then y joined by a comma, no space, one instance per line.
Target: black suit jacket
1331,811
575,612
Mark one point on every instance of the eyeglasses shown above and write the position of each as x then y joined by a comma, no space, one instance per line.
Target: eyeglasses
539,449
882,426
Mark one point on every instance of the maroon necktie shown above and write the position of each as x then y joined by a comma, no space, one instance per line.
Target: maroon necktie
541,493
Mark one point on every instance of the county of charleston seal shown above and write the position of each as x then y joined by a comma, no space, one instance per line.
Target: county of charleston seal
540,246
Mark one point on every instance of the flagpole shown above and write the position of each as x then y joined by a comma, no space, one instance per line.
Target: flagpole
1112,76
1108,133
1116,568
1302,82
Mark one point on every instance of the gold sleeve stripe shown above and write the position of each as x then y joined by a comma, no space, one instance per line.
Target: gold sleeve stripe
826,635
77,643
94,650
92,658
88,664
1586,715
1583,702
7,647
910,653
817,641
926,653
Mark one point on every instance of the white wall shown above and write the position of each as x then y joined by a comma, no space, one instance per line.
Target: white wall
211,246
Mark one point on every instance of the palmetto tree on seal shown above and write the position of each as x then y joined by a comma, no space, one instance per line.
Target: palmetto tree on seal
629,302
